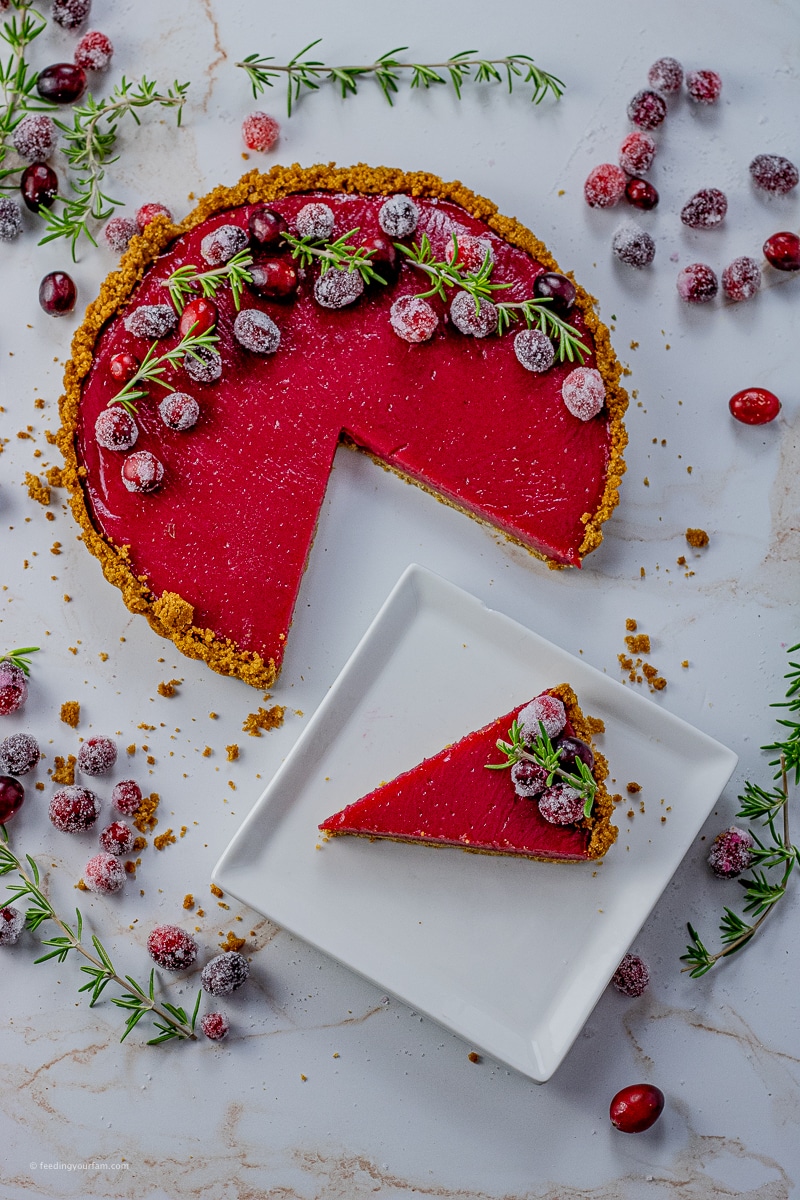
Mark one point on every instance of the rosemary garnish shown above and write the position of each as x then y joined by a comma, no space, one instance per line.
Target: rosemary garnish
154,365
302,72
184,282
20,657
341,254
170,1020
761,894
17,81
542,752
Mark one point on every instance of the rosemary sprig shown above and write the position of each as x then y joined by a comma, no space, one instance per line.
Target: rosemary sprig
153,366
537,313
542,752
18,95
20,658
303,72
171,1021
340,254
184,282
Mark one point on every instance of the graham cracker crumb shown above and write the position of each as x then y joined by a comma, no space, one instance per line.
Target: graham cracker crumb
64,769
174,613
638,643
131,749
188,901
263,718
71,713
207,752
37,490
633,787
232,942
139,843
232,752
167,838
145,818
697,538
168,689
55,548
474,1057
631,625
216,891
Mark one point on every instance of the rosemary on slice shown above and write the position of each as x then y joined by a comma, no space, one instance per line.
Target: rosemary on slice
153,366
340,254
542,752
20,658
18,95
184,282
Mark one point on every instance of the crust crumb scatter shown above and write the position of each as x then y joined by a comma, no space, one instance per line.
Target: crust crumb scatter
636,669
167,838
64,769
37,490
168,689
232,752
216,891
71,713
145,818
697,538
232,942
263,718
174,613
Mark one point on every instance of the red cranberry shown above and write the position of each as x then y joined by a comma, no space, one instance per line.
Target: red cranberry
275,278
472,252
198,317
149,212
637,152
636,1108
97,755
704,87
754,406
117,233
697,284
783,251
534,350
731,852
179,411
413,319
13,687
556,288
94,51
225,973
142,472
19,753
69,14
705,209
171,947
35,137
605,186
74,809
12,793
383,257
528,778
123,366
215,1025
741,279
115,429
571,750
10,219
584,394
104,873
633,245
631,976
561,804
666,75
57,294
117,838
641,194
39,186
126,797
265,226
62,83
774,173
260,131
647,109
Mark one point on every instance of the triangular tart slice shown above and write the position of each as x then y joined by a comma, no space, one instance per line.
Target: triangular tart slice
454,799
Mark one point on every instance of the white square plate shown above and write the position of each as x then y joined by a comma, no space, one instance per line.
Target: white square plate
510,954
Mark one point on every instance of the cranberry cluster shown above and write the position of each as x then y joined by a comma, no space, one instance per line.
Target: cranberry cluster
173,949
558,802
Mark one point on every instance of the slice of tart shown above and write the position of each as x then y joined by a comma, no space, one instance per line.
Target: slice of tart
530,784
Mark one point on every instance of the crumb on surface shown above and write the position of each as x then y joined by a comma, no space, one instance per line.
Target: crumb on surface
64,769
697,538
216,891
207,752
168,689
37,490
232,942
145,818
263,718
638,643
631,625
232,752
71,713
474,1057
167,838
633,787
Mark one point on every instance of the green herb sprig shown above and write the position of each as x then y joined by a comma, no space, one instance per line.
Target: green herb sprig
18,95
20,658
340,254
185,282
542,752
388,71
171,1021
153,366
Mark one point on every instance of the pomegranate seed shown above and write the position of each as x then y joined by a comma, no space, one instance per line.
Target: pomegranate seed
12,923
266,227
10,220
123,366
631,976
97,755
633,245
473,322
636,1108
126,797
94,51
215,1025
754,406
12,794
534,350
637,152
19,753
198,317
260,131
13,687
104,873
731,852
225,973
782,250
57,294
641,194
774,173
179,411
697,284
741,279
383,257
62,83
705,209
35,137
275,278
556,288
605,186
149,212
647,109
666,75
561,804
74,809
69,14
118,233
413,319
171,947
704,87
142,472
117,838
39,186
584,394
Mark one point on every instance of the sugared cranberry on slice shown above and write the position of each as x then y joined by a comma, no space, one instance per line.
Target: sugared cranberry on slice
260,131
636,1108
637,152
142,472
314,220
171,947
117,838
754,406
203,364
546,710
57,294
561,804
126,797
741,279
149,212
584,392
117,233
731,852
697,284
104,873
123,366
74,809
275,278
774,173
647,109
115,429
215,1025
94,51
413,319
782,250
534,350
12,923
631,976
705,209
604,186
529,779
471,254
198,316
19,753
633,245
666,75
13,687
61,83
398,216
97,755
556,288
266,226
704,87
39,186
383,256
337,288
35,137
69,14
179,411
151,321
225,973
473,321
10,219
641,194
572,750
222,244
256,331
12,794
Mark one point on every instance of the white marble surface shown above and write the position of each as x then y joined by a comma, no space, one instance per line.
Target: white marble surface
390,1104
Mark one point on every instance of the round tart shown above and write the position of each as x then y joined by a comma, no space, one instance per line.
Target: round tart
200,494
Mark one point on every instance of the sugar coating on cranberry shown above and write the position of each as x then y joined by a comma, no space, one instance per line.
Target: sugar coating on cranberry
741,279
315,220
529,779
148,212
19,753
179,411
413,319
666,75
631,976
222,243
10,219
469,252
104,873
256,331
142,472
705,209
171,947
13,687
475,320
12,923
117,233
731,852
225,973
545,709
398,216
117,838
126,797
534,350
152,321
215,1025
338,288
115,429
584,392
561,804
633,245
203,364
604,186
35,137
69,14
647,109
704,87
637,152
97,755
94,51
74,809
697,284
774,173
260,131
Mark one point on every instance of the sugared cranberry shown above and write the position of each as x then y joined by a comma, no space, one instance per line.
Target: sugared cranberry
151,321
115,429
556,288
315,220
647,109
782,250
774,173
666,75
10,219
266,226
260,131
198,317
631,976
225,973
203,364
35,137
571,750
117,838
413,319
637,152
398,216
149,212
57,294
97,755
472,252
13,687
117,233
604,186
179,411
704,87
142,472
215,1025
222,244
337,288
383,256
636,1108
697,284
69,14
705,209
171,947
473,321
641,194
584,392
741,279
529,779
534,350
12,923
561,804
12,794
256,331
543,710
731,852
754,406
94,51
633,245
126,797
275,278
62,83
123,366
74,809
104,873
19,753
39,186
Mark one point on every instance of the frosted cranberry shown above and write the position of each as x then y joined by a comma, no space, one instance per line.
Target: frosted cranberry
215,1025
697,284
266,227
774,173
10,219
605,186
647,109
636,1108
126,797
337,288
473,321
115,429
754,406
117,233
260,131
704,87
12,923
571,751
256,331
633,245
225,973
12,794
97,755
203,364
472,252
413,319
631,976
383,256
104,873
741,279
62,83
179,411
584,393
94,51
534,350
19,753
142,472
782,250
666,75
705,209
637,152
275,278
171,947
544,710
641,194
35,137
149,212
74,809
222,244
528,778
117,838
556,288
561,804
69,14
198,316
39,186
315,221
731,852
151,321
398,216
13,687
57,294
123,366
